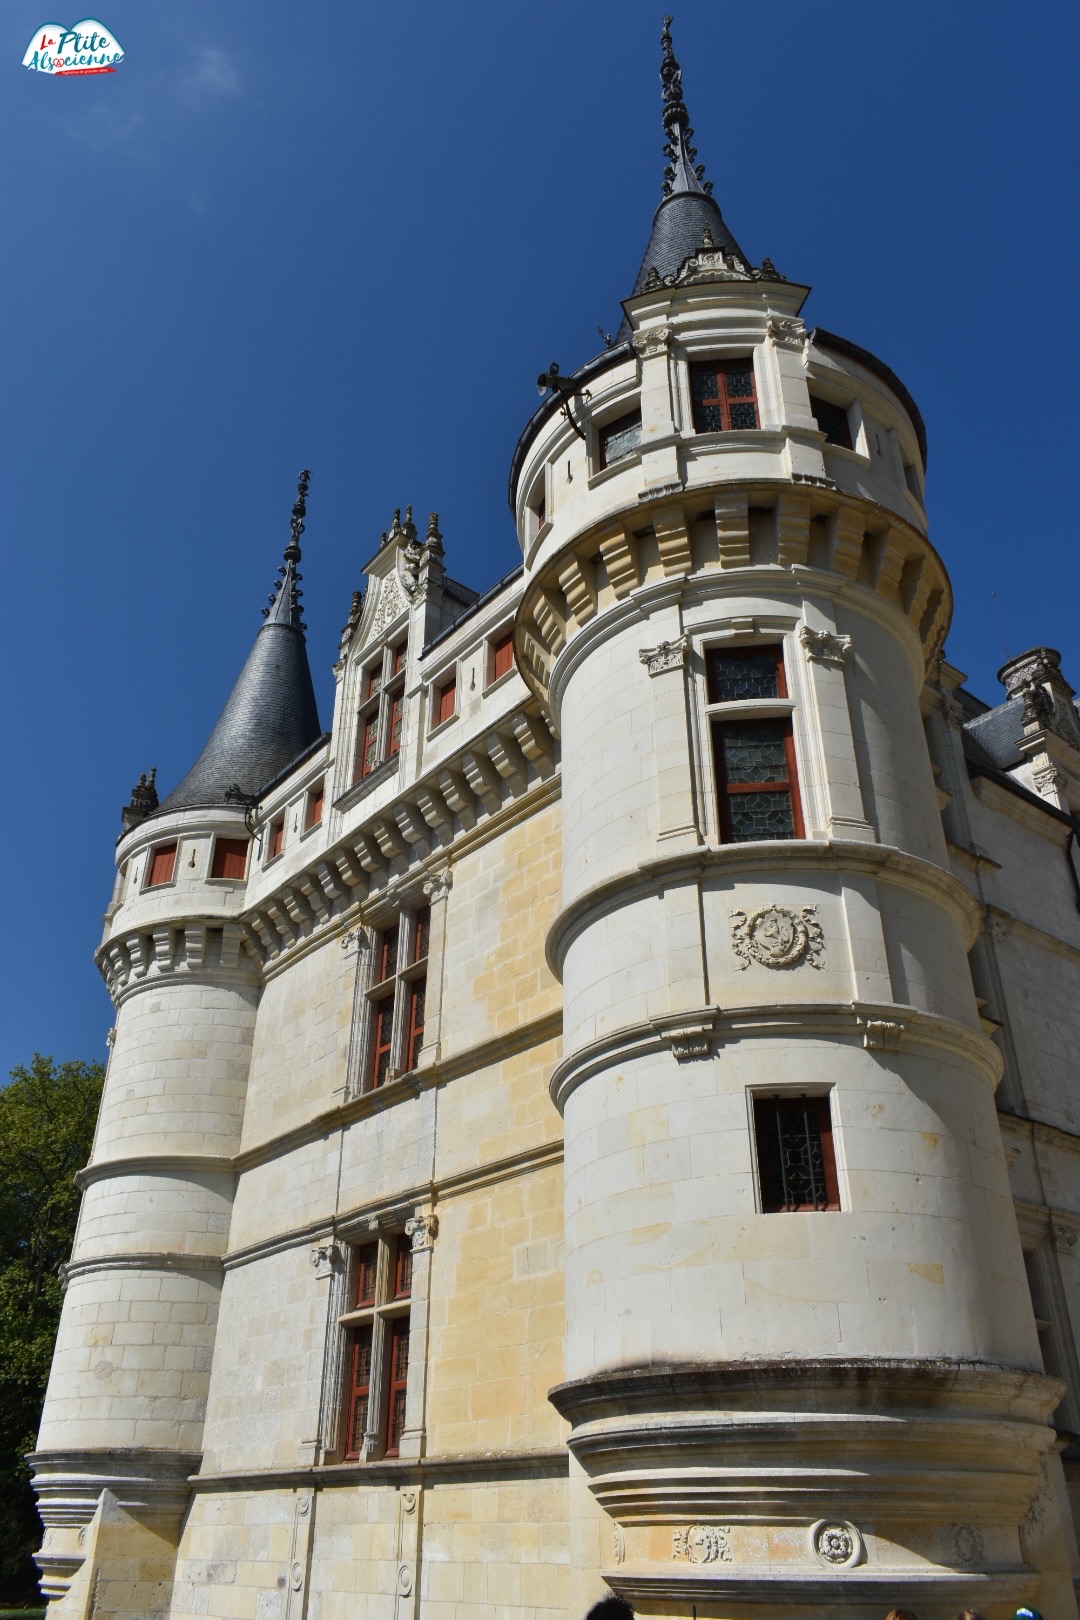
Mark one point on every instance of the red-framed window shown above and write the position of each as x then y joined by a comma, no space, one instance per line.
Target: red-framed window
230,858
398,1361
421,933
500,655
382,1039
415,1032
367,754
445,705
162,865
396,999
832,420
367,1275
620,439
754,756
796,1161
313,809
386,953
403,1268
723,394
359,1388
277,837
397,710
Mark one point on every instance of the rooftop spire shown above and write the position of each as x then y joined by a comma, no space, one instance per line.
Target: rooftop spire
270,716
681,174
687,209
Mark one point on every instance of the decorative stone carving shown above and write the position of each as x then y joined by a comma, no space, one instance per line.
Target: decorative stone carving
1049,780
785,330
654,341
324,1257
687,1038
439,884
701,1544
303,1506
668,655
967,1545
391,605
408,1501
355,936
619,1540
823,647
836,1543
296,1575
423,1229
404,1580
1063,1237
775,937
881,1034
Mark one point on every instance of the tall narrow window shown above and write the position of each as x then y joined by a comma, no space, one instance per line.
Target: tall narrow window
832,420
796,1165
445,705
382,711
620,439
723,394
753,752
500,655
397,701
377,1325
313,809
230,858
276,840
162,865
397,998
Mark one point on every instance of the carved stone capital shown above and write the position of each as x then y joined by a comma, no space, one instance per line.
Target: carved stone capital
787,331
881,1034
822,647
423,1230
1063,1236
439,884
689,1037
325,1258
668,655
653,341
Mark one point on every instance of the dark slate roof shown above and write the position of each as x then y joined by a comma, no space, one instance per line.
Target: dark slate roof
991,738
678,226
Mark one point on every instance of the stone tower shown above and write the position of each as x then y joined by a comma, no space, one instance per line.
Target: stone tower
123,1421
794,1286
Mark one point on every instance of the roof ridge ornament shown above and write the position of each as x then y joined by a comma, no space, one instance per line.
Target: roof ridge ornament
682,174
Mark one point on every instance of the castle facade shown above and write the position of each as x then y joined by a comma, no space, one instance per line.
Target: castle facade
604,1115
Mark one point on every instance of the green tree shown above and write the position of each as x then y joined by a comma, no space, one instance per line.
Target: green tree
47,1117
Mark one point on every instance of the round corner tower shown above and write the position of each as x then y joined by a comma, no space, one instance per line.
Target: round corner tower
122,1427
802,1369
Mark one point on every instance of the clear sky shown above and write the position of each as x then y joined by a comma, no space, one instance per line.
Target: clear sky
342,236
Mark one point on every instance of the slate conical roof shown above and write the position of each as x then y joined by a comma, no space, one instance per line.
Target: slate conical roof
270,716
687,208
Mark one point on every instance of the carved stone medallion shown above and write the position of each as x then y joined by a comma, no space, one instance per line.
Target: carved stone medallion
836,1543
967,1545
775,937
701,1544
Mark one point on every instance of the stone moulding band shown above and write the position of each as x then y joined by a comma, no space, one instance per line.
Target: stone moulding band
155,1164
860,1589
791,857
702,1029
147,1260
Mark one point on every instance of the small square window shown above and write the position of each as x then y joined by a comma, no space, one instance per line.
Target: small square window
620,439
276,840
500,655
832,420
162,866
230,858
723,394
796,1163
313,809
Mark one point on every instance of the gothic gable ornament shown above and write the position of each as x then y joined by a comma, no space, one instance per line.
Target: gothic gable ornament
775,937
391,605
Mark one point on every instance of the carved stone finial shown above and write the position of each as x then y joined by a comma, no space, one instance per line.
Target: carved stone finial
143,802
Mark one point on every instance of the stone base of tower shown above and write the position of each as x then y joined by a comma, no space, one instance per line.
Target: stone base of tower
112,1524
789,1487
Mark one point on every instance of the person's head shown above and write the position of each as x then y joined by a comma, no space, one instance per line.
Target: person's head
1027,1614
610,1608
969,1614
901,1614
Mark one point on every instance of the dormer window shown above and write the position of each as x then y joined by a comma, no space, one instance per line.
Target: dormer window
620,439
382,711
832,420
723,394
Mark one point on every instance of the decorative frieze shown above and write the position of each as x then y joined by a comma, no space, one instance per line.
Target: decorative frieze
668,655
837,1544
701,1544
776,937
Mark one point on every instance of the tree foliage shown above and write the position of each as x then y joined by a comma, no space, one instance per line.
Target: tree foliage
47,1117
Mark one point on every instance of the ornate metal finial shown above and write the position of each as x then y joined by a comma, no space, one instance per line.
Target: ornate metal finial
289,576
299,513
682,173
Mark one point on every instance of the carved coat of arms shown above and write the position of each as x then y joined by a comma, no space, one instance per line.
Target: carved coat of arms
775,937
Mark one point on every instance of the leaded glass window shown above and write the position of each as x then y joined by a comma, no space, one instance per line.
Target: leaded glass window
620,438
733,673
376,1324
723,395
796,1165
755,772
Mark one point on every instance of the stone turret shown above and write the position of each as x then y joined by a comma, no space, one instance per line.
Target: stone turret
801,1363
122,1425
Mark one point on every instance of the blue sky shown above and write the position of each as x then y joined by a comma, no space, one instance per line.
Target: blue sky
348,237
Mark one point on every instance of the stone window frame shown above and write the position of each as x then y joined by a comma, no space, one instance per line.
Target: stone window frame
625,420
400,987
148,870
733,638
758,1097
379,1318
335,1262
380,706
727,357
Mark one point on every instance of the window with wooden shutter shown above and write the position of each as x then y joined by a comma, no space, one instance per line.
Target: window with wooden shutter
230,858
500,655
415,1034
162,865
276,840
446,700
723,394
382,1040
398,1384
832,420
377,1347
796,1163
313,810
620,439
753,753
397,706
359,1394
